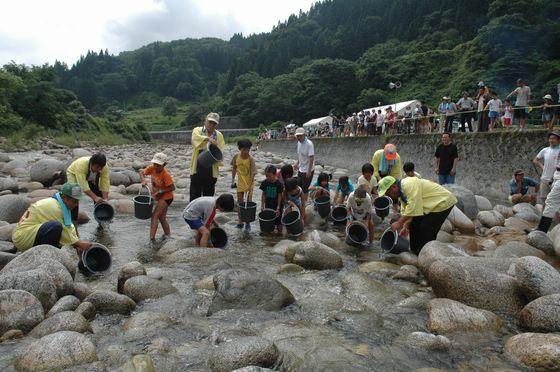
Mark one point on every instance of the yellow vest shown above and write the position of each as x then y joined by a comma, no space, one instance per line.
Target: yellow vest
423,197
198,143
78,171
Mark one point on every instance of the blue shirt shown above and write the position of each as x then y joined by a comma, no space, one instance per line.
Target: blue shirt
348,191
526,182
316,184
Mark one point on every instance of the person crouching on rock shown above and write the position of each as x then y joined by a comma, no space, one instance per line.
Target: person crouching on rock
424,207
519,187
49,221
359,208
321,187
162,191
200,214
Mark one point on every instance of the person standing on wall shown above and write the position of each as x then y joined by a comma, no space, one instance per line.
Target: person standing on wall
203,180
447,158
482,99
546,161
523,93
465,106
305,164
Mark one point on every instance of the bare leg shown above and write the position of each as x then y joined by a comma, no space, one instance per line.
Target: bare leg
239,201
160,207
371,228
204,237
163,220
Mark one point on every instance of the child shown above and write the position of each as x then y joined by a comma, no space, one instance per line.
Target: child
495,106
272,190
293,196
287,171
162,191
366,181
244,166
343,189
321,186
508,114
408,169
359,209
200,213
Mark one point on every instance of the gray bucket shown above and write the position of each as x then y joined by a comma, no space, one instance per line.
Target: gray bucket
392,242
210,156
103,213
382,205
97,259
356,234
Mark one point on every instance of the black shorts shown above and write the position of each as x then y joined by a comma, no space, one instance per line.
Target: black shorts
169,201
304,182
520,113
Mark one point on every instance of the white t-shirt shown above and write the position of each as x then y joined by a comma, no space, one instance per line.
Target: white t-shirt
508,112
305,150
200,209
369,184
359,212
480,103
380,119
550,156
522,95
495,105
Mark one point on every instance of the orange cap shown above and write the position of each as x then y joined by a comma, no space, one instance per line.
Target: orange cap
390,151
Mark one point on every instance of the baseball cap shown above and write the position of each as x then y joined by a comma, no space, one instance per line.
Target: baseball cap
548,96
213,117
481,84
300,132
554,133
384,184
390,151
72,190
519,171
160,158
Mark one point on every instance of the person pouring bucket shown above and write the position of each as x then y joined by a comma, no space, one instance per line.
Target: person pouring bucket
424,207
203,180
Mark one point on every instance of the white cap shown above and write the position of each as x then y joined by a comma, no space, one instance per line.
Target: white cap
213,117
548,96
160,158
300,132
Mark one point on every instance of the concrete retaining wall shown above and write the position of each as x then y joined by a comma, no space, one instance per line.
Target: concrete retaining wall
486,160
184,136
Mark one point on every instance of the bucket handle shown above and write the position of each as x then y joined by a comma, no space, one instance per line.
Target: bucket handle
146,186
291,208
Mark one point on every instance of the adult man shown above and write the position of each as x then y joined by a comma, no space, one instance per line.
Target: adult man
447,108
203,180
305,163
387,162
519,186
380,122
546,160
49,221
446,160
552,205
482,98
92,174
466,105
424,207
523,93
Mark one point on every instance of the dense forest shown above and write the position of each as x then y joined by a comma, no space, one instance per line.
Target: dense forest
337,57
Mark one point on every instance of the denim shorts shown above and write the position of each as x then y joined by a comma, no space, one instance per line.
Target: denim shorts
494,115
194,224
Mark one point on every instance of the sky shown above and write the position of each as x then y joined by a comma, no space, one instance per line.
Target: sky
42,31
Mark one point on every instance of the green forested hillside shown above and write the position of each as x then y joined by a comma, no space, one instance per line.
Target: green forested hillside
339,56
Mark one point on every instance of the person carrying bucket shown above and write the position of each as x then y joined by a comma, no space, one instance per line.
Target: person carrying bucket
271,198
203,180
321,187
387,162
49,221
200,214
293,196
344,188
162,191
424,207
243,165
359,209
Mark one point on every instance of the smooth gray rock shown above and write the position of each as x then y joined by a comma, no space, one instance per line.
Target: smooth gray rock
7,247
313,255
19,310
63,321
9,184
542,315
146,323
12,207
80,152
491,218
466,200
524,207
538,351
528,216
66,303
57,351
242,352
107,302
5,258
428,342
128,271
517,249
445,237
142,287
38,254
6,232
46,171
445,316
134,177
13,164
62,279
118,179
541,240
237,289
82,290
507,212
460,221
87,310
434,251
483,203
536,277
37,282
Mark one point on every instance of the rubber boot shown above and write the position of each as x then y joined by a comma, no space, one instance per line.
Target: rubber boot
544,224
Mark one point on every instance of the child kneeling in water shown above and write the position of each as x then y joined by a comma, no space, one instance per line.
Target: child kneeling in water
359,209
200,213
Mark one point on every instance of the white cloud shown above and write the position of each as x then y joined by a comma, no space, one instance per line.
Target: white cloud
38,31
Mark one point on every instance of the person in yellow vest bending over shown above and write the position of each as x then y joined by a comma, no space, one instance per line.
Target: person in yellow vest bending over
424,207
48,221
387,162
203,180
92,174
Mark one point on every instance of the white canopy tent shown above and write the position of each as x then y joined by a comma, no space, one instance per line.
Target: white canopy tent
398,108
319,122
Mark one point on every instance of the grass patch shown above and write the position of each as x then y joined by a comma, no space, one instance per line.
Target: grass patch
154,120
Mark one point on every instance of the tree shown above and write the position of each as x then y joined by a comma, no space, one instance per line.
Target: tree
169,107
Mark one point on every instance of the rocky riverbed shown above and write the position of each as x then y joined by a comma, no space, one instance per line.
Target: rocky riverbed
483,297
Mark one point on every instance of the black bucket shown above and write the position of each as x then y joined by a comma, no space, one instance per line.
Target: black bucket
103,213
210,156
143,206
392,242
218,237
247,211
97,259
339,215
292,221
356,234
323,205
382,205
267,220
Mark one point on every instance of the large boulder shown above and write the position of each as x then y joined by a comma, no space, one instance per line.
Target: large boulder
517,249
133,176
13,164
542,314
507,212
37,254
517,224
128,271
117,179
37,282
122,206
63,321
541,240
5,257
313,255
524,208
428,341
60,276
19,310
242,352
87,310
460,221
57,351
12,207
142,287
536,277
466,200
6,231
482,203
46,171
108,302
491,218
434,251
554,235
237,289
8,184
66,303
538,351
478,282
80,152
446,316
